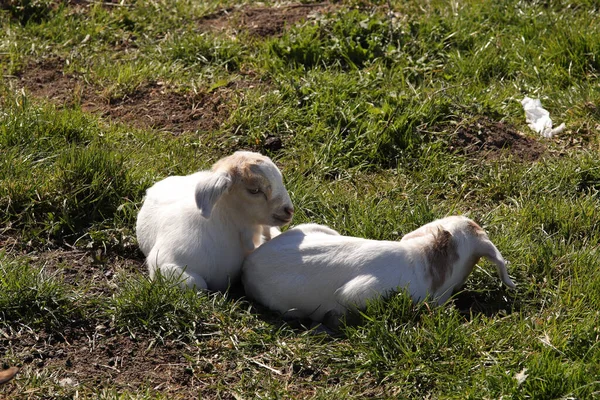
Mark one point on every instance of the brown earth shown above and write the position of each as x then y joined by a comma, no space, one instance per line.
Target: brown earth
485,138
91,353
152,105
93,356
262,21
97,357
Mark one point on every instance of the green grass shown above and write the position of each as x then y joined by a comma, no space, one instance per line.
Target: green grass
365,103
161,308
34,297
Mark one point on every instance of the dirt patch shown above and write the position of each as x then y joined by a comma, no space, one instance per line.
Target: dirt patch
491,139
96,357
91,353
95,270
151,105
262,21
47,79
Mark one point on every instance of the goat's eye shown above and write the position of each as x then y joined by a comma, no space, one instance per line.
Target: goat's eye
254,191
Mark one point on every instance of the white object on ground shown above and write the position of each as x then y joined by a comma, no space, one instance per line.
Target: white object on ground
521,376
538,118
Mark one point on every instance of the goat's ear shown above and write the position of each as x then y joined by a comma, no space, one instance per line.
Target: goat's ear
209,191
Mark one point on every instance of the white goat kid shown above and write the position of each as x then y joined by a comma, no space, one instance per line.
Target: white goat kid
312,271
201,226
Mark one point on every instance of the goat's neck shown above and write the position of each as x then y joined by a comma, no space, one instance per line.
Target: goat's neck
248,234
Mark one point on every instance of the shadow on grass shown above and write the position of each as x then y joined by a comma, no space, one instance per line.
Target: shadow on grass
489,303
469,304
278,321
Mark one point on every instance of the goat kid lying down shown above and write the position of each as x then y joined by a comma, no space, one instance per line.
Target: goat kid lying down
201,226
312,271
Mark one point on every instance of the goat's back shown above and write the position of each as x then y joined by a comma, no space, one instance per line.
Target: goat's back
174,193
312,270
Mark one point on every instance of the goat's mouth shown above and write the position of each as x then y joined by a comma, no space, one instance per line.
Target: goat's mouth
282,220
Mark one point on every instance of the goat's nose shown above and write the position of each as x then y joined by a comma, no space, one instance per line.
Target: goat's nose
289,210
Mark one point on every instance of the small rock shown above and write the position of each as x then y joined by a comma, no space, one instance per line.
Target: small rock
66,382
273,143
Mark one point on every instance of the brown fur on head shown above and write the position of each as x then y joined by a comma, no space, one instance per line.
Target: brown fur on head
245,167
254,187
239,161
441,255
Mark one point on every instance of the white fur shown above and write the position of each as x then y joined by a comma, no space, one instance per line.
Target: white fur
201,226
311,271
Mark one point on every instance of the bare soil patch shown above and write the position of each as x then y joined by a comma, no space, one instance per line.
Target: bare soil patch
46,79
262,21
97,357
91,353
491,139
94,269
151,105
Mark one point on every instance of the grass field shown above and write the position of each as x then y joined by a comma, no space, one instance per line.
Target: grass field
380,119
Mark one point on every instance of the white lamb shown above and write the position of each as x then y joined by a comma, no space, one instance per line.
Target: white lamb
201,226
312,271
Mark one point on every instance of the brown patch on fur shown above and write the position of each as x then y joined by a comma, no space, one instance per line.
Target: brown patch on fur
441,256
475,228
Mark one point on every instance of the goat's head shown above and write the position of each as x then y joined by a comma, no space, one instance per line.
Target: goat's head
253,186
